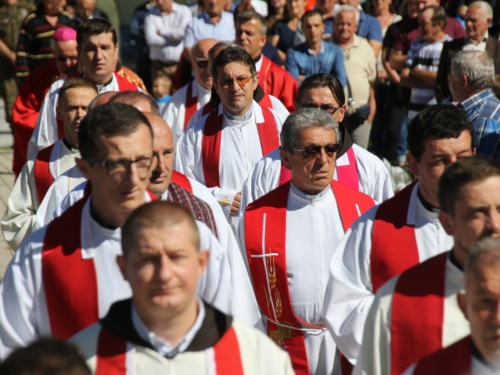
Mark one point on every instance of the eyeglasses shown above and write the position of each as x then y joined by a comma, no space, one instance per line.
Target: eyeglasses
326,108
228,82
202,63
311,151
119,168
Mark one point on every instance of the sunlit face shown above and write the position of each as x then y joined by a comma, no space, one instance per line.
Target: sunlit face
345,26
476,22
296,8
428,31
165,5
163,148
311,175
200,64
66,55
248,36
235,98
438,153
71,109
313,28
161,87
482,308
85,8
213,7
321,98
163,269
422,4
98,56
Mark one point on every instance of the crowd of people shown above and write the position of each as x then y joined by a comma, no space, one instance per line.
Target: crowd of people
310,188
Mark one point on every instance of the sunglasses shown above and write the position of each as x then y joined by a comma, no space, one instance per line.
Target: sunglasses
228,82
311,151
201,63
326,108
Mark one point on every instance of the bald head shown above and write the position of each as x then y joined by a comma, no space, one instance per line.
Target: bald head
102,99
199,62
137,99
201,48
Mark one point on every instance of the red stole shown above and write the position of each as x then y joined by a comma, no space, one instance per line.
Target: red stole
453,360
41,170
192,105
394,245
265,69
265,241
181,180
212,135
265,102
417,313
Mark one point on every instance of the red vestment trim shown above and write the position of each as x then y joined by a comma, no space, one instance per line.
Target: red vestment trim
41,170
453,360
181,180
394,245
417,313
264,71
111,354
265,241
212,134
70,282
348,174
265,102
192,106
227,355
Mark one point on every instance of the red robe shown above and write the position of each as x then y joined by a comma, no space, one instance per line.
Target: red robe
277,82
27,107
453,360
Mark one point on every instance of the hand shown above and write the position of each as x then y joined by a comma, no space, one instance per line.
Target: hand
235,207
382,75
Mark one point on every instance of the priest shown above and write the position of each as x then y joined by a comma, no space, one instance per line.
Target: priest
401,232
418,309
289,234
170,327
98,54
220,149
187,100
37,176
477,353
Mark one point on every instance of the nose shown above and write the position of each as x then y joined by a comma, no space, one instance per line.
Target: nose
80,112
99,54
322,157
133,176
164,269
494,221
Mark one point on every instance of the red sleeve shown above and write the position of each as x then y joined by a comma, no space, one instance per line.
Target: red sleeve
458,32
399,42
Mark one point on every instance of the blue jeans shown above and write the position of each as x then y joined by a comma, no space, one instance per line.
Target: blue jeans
401,151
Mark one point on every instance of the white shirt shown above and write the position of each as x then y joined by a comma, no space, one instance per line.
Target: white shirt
240,150
175,111
471,46
378,324
164,33
313,229
350,292
23,204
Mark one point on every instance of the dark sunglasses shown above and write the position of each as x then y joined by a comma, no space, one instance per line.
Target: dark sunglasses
311,151
201,63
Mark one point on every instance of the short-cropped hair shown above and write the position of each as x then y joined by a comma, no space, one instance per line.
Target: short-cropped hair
304,119
231,55
77,82
249,15
438,15
45,356
109,120
320,80
464,171
131,97
486,251
440,121
345,9
95,26
311,13
477,66
160,215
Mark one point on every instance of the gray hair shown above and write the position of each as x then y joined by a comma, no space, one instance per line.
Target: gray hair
249,15
477,66
303,119
346,8
487,250
488,12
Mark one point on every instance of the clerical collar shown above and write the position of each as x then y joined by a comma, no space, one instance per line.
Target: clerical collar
303,195
95,217
258,63
245,117
454,261
100,88
477,354
68,146
429,207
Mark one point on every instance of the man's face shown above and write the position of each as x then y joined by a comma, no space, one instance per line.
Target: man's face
311,174
10,2
422,4
201,69
236,97
72,108
482,309
428,31
438,153
353,3
54,7
345,26
163,148
165,5
313,29
248,36
98,55
163,270
321,98
296,7
115,192
85,9
476,23
476,214
66,55
213,7
325,6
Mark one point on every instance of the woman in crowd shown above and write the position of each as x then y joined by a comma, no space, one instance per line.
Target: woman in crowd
287,32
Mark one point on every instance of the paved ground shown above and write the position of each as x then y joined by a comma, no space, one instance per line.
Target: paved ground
6,182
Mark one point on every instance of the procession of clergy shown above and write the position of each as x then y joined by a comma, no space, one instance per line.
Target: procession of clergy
227,236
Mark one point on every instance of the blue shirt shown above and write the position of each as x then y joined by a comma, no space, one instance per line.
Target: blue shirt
369,27
483,110
301,61
200,27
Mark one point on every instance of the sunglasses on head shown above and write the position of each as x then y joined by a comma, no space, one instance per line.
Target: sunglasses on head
201,63
311,151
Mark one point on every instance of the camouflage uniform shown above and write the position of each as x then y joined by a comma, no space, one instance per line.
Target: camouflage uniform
11,18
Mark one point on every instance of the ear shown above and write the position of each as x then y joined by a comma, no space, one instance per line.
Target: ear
203,261
461,300
341,112
473,151
255,82
446,221
285,159
263,40
58,113
84,167
120,260
465,80
413,163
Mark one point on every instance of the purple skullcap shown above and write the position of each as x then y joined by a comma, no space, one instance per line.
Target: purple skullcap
64,34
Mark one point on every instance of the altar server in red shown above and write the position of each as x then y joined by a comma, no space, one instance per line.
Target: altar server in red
289,234
416,313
